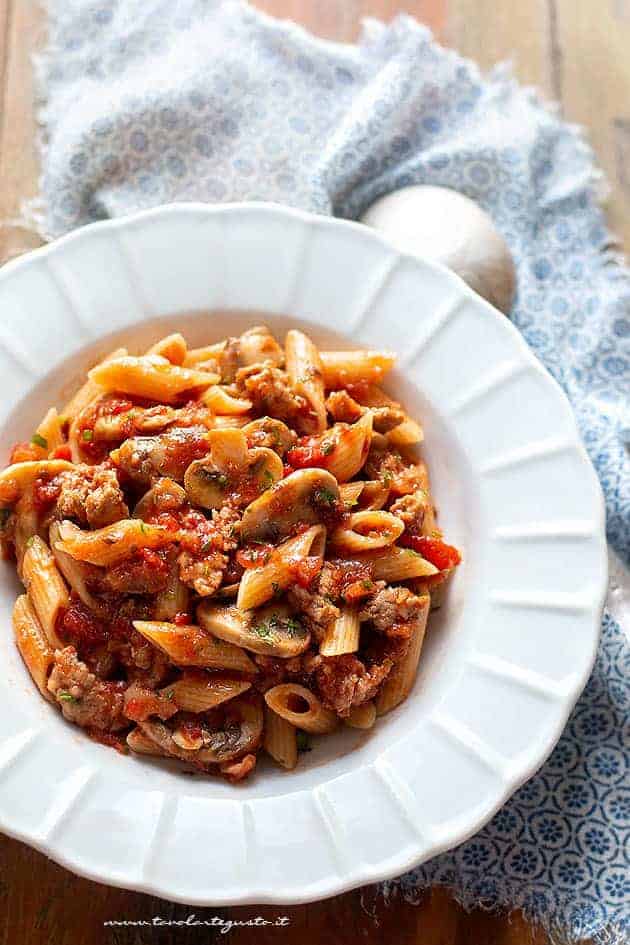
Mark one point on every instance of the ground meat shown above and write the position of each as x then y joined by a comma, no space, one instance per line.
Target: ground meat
91,495
271,393
388,465
84,699
204,575
145,458
393,611
143,662
257,345
345,681
318,612
343,408
227,521
140,703
411,509
386,417
273,671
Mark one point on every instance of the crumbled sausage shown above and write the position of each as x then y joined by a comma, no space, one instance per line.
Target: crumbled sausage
318,612
393,610
343,408
270,392
91,495
84,699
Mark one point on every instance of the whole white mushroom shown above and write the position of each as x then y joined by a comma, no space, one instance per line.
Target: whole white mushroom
444,226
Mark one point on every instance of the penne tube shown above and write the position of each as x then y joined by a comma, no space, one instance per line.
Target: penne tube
49,433
397,564
374,495
258,345
172,347
31,641
362,716
26,527
343,368
258,585
45,587
196,356
304,368
301,707
221,402
150,378
398,684
75,573
366,531
189,645
280,739
343,634
174,599
113,543
351,448
19,478
200,692
90,390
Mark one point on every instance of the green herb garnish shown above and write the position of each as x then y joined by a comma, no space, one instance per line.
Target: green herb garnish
38,440
87,436
327,447
66,697
324,497
218,478
170,695
268,480
387,477
367,585
29,541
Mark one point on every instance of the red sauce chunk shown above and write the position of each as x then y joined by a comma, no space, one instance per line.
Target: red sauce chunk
310,451
45,492
442,556
79,626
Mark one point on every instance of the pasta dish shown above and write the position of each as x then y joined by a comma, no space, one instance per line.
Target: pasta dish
224,549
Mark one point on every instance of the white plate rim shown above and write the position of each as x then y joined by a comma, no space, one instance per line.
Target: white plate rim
255,215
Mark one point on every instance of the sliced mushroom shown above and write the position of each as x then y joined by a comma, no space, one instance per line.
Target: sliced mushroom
269,432
240,732
165,496
145,458
304,497
231,470
271,630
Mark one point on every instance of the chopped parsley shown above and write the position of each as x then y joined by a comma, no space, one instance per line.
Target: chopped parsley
143,528
87,435
169,694
29,541
207,546
324,497
66,697
367,585
303,741
327,447
38,440
267,629
276,588
214,476
267,480
5,515
387,477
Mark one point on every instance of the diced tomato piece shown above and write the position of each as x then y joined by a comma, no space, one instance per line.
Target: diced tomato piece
253,556
306,570
62,452
442,556
308,453
45,492
182,619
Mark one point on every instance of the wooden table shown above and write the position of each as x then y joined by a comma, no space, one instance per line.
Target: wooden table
574,51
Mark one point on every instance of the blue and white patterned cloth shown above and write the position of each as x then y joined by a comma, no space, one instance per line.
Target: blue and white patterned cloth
149,101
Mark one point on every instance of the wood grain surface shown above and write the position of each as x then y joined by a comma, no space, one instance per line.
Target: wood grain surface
574,51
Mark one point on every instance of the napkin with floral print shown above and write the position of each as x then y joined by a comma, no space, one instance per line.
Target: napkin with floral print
150,101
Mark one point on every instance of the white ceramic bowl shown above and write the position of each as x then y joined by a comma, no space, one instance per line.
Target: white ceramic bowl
505,659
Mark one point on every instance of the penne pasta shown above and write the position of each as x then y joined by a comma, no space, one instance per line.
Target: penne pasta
362,716
200,692
343,368
90,390
257,346
280,739
351,448
150,378
343,634
254,593
49,433
220,401
301,707
258,585
304,368
172,347
398,684
19,478
45,587
31,641
189,645
111,544
397,564
367,531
